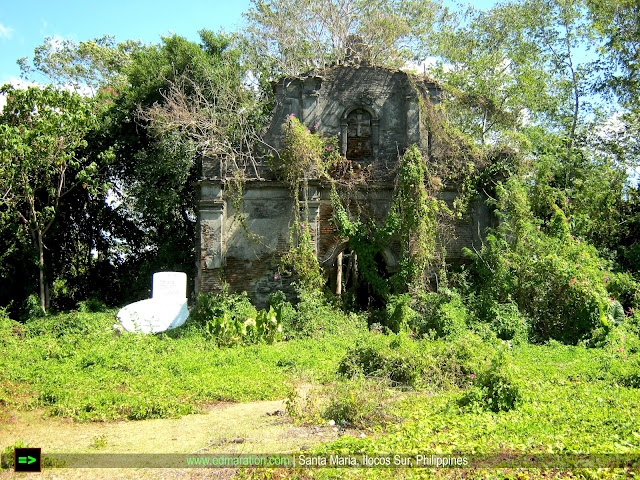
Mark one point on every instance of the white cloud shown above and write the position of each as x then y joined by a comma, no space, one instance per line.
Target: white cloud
17,83
5,32
425,65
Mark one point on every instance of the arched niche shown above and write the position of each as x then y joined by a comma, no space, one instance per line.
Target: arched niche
340,265
359,133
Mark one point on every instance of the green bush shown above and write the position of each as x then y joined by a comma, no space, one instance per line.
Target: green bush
624,288
399,315
229,319
508,323
440,315
453,363
279,300
92,304
237,307
31,308
316,317
495,389
557,281
359,403
394,357
412,363
67,324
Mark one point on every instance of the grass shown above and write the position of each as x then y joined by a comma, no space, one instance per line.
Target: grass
572,399
88,373
573,402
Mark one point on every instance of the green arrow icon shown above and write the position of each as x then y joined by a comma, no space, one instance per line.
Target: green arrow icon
24,460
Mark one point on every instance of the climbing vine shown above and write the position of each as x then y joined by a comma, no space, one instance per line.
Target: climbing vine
305,155
412,220
414,217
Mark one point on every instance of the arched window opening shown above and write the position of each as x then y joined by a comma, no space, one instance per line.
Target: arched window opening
359,133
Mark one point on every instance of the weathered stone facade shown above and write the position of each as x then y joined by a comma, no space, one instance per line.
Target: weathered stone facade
375,114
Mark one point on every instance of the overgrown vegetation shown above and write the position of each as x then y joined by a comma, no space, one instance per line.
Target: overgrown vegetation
530,346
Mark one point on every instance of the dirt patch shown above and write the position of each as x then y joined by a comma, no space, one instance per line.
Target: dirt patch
255,427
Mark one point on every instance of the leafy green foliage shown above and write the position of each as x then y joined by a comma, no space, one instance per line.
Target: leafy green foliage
31,308
93,63
43,139
305,155
231,319
413,221
315,317
557,281
414,218
492,73
412,363
495,389
436,315
508,323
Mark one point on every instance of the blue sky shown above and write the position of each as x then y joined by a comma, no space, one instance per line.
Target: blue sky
24,25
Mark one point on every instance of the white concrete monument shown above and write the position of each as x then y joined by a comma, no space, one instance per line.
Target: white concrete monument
166,309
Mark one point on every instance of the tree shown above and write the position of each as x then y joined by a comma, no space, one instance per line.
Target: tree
216,114
494,80
562,30
92,63
42,136
617,24
294,36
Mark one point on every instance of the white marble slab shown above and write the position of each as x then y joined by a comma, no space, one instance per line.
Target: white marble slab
169,285
165,310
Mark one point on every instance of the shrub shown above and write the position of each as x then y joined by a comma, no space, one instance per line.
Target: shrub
508,323
557,281
618,339
359,403
229,319
495,389
394,357
236,307
69,323
624,288
315,316
454,363
92,304
416,363
399,315
440,315
31,308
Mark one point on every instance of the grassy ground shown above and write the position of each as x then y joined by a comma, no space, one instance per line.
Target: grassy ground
572,399
74,366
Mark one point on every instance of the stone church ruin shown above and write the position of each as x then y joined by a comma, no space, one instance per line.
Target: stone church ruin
375,114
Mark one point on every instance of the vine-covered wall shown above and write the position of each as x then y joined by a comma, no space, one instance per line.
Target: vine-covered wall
342,130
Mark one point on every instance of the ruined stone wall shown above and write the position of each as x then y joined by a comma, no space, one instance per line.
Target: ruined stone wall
326,99
252,262
244,247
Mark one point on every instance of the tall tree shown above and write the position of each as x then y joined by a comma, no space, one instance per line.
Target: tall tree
42,138
87,64
295,36
617,22
562,29
492,73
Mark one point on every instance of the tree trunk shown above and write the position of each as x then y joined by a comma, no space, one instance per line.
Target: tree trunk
41,271
339,275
